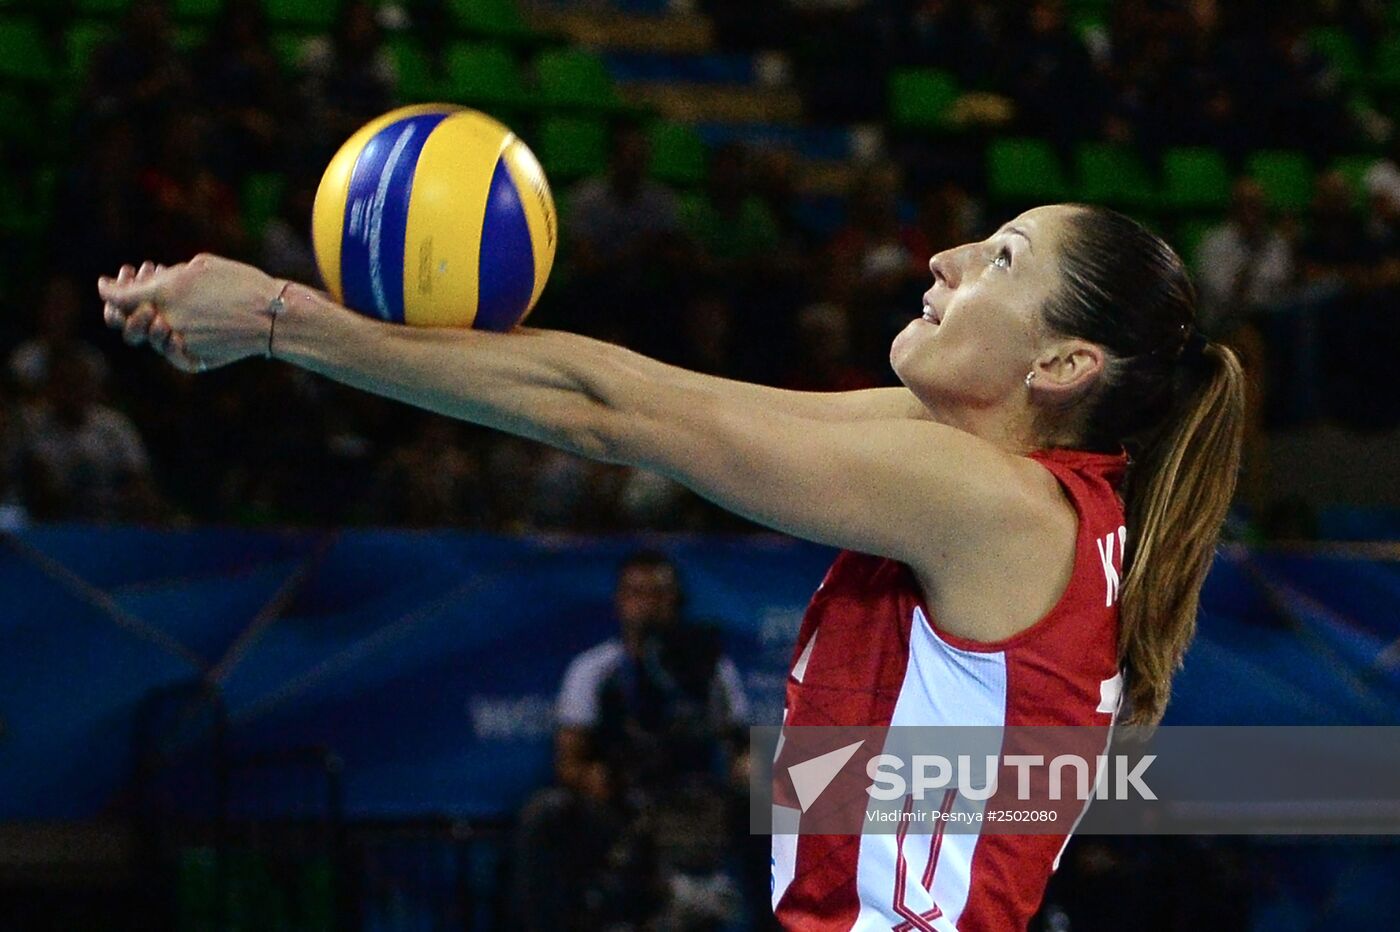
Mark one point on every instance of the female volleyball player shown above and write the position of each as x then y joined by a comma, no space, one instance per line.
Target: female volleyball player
1026,523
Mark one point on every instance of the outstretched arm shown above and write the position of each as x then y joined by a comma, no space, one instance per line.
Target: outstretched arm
867,404
896,487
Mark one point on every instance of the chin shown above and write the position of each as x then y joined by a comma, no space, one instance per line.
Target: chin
903,350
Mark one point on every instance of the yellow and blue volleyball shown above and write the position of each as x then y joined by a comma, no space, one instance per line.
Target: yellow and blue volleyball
435,216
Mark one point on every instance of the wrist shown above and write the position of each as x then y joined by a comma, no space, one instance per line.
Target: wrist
310,325
276,308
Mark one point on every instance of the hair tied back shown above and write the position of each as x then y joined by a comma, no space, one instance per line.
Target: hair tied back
1193,347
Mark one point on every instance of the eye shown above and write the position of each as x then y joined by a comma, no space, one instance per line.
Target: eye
1003,258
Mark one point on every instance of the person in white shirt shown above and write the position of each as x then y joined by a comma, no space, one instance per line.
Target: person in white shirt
1244,264
640,716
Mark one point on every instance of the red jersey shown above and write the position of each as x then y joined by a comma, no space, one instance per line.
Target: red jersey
870,653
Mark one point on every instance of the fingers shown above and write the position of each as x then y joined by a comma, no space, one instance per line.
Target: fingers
112,315
131,287
178,356
138,325
159,333
118,301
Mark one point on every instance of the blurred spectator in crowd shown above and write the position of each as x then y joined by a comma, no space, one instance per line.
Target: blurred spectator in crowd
286,239
948,216
831,43
733,229
1355,284
101,216
432,480
953,35
55,334
191,209
626,247
347,78
1244,264
13,514
1382,188
1335,248
1288,97
240,84
707,323
635,829
821,359
775,182
140,75
876,259
1059,93
81,460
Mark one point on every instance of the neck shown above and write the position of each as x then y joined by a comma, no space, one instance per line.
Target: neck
1010,427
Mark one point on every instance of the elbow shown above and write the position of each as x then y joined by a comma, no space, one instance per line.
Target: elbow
599,434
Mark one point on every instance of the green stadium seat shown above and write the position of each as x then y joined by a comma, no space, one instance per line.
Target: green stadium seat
24,52
572,147
1195,179
497,19
19,117
677,154
1286,177
190,36
1113,175
201,10
316,15
81,44
100,7
417,83
25,211
1088,24
261,199
922,98
574,78
1385,67
1024,170
482,73
1354,168
1338,47
1187,239
287,49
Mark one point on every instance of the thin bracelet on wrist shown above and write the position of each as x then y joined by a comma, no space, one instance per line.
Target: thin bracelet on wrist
275,309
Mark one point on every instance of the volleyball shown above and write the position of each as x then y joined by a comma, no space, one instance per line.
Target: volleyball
435,216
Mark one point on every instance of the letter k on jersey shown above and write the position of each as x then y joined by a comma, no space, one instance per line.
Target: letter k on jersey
1111,555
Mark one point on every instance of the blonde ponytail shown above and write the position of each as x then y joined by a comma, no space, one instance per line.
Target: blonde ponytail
1176,496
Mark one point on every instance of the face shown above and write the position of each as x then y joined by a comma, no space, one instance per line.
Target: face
646,595
981,330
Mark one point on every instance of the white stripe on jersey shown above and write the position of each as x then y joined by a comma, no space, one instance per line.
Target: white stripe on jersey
943,685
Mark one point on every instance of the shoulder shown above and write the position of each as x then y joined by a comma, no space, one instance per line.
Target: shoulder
1017,554
1219,238
111,421
588,191
595,664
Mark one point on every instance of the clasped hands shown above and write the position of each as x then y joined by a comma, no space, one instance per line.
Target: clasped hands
199,315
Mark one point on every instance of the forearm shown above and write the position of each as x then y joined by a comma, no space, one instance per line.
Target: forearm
863,405
557,388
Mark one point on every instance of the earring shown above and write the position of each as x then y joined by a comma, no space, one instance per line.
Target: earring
1030,376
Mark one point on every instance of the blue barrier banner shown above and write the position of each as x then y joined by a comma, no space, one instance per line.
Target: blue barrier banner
429,662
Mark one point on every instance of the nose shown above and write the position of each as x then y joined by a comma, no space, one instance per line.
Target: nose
944,267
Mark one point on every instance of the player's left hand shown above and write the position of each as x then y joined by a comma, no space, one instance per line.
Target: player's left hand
201,314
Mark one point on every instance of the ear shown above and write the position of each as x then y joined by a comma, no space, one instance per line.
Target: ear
1067,369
